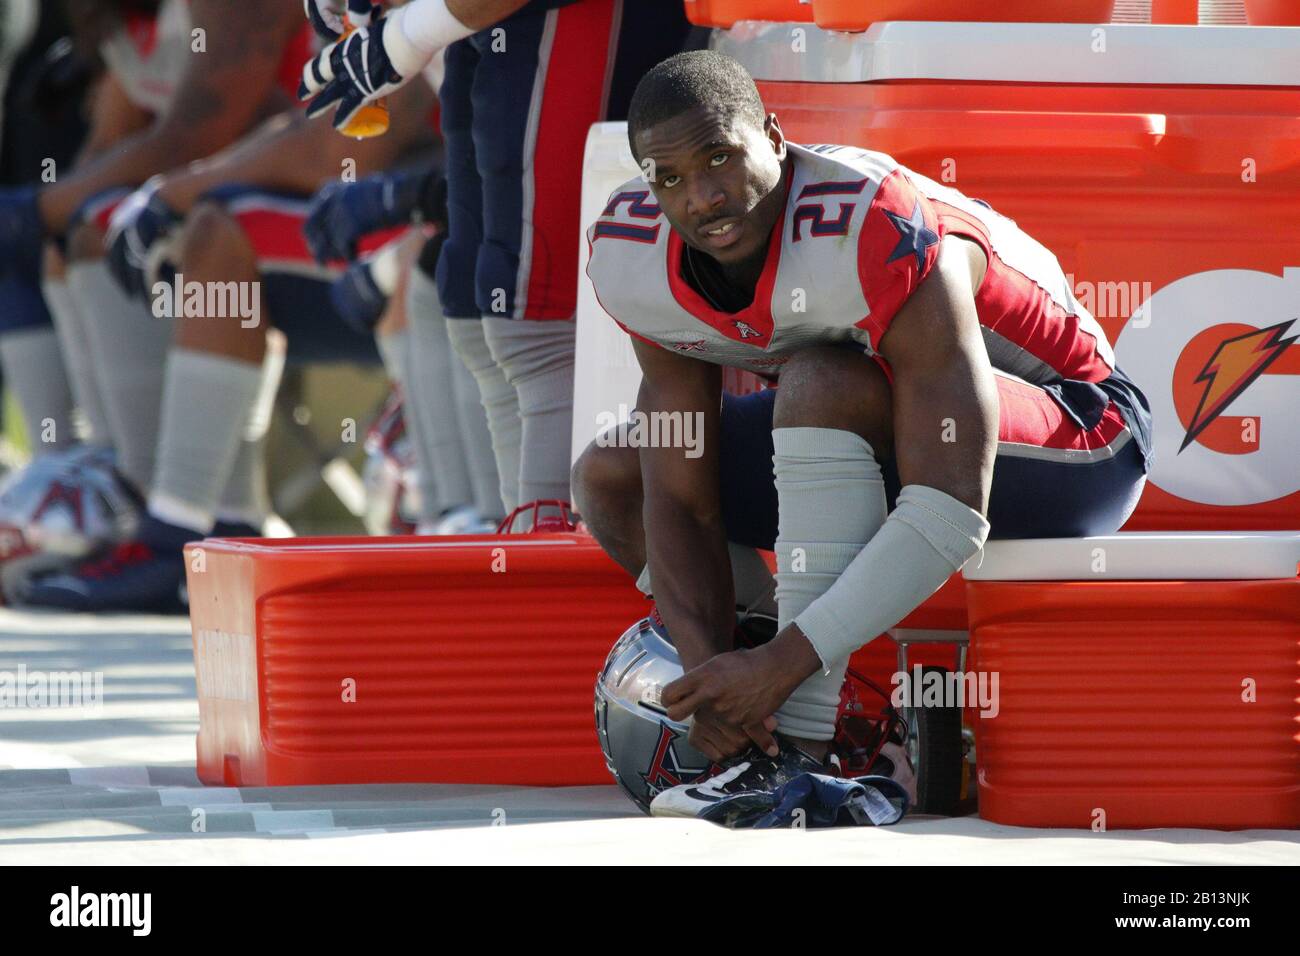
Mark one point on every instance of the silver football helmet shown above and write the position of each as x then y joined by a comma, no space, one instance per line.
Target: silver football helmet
61,508
644,750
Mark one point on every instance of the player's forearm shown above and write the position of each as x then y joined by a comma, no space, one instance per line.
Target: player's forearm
690,573
480,14
128,163
292,154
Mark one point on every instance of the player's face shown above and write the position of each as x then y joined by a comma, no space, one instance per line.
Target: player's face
716,179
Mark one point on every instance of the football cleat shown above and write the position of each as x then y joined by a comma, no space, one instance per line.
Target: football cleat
754,774
132,577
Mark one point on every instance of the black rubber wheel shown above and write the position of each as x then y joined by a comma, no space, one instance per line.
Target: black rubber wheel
935,745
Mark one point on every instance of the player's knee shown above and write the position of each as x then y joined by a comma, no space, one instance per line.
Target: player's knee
826,387
85,242
211,237
605,479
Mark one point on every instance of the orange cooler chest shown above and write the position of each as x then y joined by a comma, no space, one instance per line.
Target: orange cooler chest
1139,703
386,660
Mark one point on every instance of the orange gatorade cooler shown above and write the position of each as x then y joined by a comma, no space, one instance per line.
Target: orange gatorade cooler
860,14
1145,680
1143,683
386,660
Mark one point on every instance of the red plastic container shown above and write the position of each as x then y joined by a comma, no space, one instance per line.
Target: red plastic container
1173,11
385,660
1132,713
856,15
1272,13
723,13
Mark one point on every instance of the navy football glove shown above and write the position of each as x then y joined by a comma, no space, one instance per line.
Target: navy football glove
358,299
139,241
22,234
360,68
342,213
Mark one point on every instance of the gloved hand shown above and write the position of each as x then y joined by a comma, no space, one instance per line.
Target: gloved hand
139,241
357,297
376,60
342,213
22,233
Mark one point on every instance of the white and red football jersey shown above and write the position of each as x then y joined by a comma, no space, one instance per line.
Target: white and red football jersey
858,234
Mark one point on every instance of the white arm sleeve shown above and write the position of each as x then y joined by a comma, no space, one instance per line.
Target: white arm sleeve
927,537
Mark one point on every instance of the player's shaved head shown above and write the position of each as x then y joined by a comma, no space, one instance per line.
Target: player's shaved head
688,80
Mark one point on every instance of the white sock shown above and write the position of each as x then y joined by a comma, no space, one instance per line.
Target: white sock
33,370
78,360
537,359
431,404
130,353
246,498
209,402
500,403
832,501
476,439
393,352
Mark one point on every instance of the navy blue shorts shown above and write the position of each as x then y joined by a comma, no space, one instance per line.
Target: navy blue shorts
1071,483
517,101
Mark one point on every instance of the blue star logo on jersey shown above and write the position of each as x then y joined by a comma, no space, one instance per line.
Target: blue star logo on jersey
914,237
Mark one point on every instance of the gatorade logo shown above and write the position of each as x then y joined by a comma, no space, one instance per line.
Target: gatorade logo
1237,362
1217,360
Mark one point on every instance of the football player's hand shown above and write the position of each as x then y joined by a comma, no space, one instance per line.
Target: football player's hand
342,213
358,299
139,241
362,67
22,234
732,697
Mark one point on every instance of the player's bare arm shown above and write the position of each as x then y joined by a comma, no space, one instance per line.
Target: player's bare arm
292,154
481,14
113,117
686,546
226,90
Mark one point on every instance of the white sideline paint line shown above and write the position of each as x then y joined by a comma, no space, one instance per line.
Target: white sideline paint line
292,821
109,776
197,797
18,756
342,832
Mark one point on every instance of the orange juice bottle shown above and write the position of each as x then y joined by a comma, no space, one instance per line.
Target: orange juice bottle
372,119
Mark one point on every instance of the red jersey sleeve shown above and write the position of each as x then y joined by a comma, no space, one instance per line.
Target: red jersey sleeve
897,248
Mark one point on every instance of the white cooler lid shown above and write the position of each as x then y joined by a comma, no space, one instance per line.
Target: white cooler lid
1018,52
1141,556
